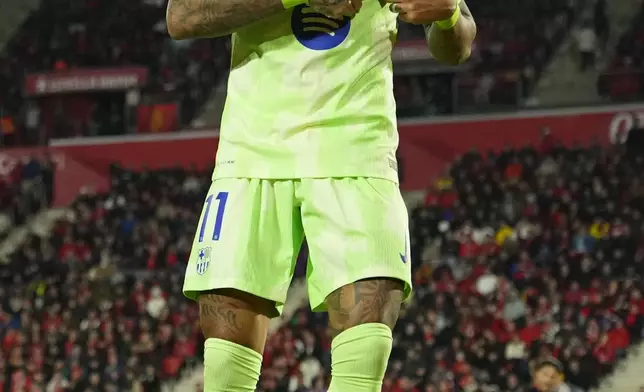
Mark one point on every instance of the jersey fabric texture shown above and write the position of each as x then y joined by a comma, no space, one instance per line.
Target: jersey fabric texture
310,96
251,230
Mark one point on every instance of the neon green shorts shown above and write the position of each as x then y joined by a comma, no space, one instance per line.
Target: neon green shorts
251,230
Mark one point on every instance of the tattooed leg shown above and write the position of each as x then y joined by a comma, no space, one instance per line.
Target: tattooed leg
361,317
235,316
365,301
235,325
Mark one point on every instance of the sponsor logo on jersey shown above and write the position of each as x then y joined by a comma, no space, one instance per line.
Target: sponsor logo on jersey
316,31
203,261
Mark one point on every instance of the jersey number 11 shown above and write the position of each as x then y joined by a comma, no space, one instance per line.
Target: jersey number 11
222,197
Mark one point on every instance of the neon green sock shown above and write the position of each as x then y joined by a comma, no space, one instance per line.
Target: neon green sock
359,358
229,367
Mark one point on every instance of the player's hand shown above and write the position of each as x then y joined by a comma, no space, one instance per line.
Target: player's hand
423,11
336,9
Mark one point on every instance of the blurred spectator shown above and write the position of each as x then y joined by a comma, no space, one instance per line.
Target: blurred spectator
601,22
624,79
156,303
26,186
587,46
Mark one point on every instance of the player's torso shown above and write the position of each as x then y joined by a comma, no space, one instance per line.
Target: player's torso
299,46
302,84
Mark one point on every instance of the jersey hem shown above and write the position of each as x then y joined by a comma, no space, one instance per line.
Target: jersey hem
393,179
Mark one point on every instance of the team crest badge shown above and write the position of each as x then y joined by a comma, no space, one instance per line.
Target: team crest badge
203,261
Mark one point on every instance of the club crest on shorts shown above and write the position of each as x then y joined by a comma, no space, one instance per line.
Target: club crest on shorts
203,261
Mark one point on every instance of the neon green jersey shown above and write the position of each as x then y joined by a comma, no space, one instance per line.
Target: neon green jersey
311,97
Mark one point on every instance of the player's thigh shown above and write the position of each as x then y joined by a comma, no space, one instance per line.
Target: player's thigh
235,316
371,300
243,256
357,231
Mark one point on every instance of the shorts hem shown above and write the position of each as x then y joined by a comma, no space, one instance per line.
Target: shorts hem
192,292
318,305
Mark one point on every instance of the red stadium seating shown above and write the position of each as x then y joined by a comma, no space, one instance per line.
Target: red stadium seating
558,231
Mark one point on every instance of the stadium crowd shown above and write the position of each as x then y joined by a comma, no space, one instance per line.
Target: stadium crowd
66,35
558,231
519,254
98,305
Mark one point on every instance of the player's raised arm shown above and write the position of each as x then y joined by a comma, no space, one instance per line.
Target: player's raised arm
449,26
450,40
214,18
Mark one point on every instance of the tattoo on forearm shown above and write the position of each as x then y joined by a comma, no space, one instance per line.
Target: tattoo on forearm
212,18
214,309
366,301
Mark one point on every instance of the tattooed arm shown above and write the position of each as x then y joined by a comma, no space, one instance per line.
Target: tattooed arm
214,18
453,46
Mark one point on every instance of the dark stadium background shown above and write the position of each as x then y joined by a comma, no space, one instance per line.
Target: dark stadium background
526,207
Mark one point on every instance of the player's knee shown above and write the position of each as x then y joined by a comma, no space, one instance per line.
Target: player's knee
235,316
366,301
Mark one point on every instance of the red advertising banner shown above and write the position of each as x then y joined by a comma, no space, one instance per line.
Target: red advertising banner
427,147
157,118
82,80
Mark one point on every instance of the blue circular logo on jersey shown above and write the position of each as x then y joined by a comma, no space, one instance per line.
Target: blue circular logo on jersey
316,31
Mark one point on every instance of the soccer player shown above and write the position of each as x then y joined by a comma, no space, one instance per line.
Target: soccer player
307,147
